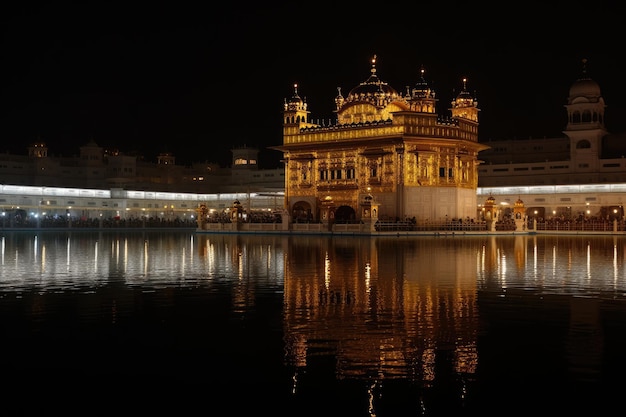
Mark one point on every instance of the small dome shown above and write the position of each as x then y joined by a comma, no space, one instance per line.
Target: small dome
422,88
295,98
584,86
295,102
464,96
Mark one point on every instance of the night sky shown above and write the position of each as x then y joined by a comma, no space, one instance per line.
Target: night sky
198,80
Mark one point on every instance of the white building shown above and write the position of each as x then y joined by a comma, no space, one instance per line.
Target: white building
581,174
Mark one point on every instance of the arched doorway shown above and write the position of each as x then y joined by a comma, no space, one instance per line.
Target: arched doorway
301,212
345,214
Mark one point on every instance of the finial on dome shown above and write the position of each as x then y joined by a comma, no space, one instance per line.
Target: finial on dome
584,66
374,64
464,84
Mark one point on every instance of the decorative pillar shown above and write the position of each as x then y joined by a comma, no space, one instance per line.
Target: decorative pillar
201,213
328,212
519,213
236,216
491,214
369,214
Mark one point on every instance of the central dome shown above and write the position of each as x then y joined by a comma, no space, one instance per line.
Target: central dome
371,88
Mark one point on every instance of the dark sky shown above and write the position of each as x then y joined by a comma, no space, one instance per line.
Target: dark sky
198,80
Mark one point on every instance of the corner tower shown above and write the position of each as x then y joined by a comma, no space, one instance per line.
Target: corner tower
585,122
295,114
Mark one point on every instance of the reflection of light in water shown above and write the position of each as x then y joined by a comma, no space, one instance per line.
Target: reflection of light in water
614,263
535,261
2,250
481,259
370,397
43,258
191,248
327,271
182,263
125,255
95,256
35,247
554,270
294,380
368,277
115,250
569,260
428,362
211,256
502,264
67,256
588,260
239,265
466,358
145,257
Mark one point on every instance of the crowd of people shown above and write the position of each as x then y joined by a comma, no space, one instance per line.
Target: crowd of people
51,222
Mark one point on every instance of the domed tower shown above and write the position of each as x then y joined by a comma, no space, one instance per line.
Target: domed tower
585,121
371,101
422,97
464,105
295,114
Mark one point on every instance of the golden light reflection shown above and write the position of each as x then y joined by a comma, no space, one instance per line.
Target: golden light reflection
588,261
378,307
554,269
327,271
43,259
240,263
615,264
145,258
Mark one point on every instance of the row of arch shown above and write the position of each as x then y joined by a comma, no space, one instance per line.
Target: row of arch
303,212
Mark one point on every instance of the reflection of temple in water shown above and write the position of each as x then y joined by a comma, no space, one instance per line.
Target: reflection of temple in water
477,310
382,308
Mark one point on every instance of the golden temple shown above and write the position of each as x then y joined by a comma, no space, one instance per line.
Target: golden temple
389,147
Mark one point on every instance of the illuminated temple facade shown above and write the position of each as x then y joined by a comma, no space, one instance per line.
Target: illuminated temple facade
389,147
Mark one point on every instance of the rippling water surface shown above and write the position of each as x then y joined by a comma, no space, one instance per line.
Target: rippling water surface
94,323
